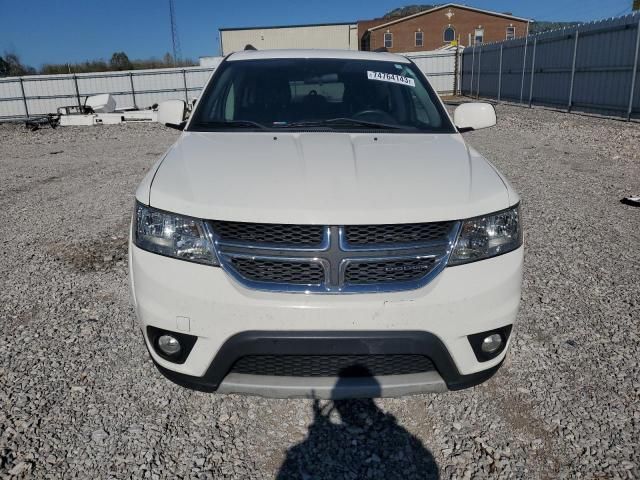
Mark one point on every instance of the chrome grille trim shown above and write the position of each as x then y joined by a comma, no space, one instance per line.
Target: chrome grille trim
334,254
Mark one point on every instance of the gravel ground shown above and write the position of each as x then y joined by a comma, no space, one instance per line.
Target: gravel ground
79,397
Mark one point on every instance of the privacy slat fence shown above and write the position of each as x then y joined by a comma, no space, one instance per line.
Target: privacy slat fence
592,67
439,67
41,94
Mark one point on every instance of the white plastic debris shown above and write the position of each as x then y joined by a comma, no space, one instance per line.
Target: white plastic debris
171,112
104,103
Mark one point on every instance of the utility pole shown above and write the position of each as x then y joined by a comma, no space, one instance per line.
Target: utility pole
175,42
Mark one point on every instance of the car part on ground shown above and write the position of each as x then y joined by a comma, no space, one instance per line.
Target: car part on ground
633,201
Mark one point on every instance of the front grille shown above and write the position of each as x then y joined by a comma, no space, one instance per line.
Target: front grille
299,273
274,233
400,233
332,365
362,273
333,258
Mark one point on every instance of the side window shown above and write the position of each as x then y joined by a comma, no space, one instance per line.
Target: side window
213,104
511,32
424,110
230,103
419,39
421,112
449,34
388,40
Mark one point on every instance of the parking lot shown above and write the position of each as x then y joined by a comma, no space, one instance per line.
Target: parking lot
80,398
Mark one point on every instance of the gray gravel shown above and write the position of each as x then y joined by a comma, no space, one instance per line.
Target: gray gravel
79,397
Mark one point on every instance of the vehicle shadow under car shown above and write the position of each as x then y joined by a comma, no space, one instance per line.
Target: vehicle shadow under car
356,439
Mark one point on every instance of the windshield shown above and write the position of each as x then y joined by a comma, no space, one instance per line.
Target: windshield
336,94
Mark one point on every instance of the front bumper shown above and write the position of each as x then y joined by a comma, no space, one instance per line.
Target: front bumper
204,302
217,376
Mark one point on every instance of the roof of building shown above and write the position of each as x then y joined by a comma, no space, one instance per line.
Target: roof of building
317,53
449,5
230,29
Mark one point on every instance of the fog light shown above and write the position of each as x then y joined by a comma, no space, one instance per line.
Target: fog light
169,345
492,343
488,345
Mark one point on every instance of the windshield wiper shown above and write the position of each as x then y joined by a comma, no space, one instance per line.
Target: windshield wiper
231,124
347,121
221,124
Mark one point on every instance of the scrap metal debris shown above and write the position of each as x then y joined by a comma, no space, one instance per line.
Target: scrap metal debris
633,201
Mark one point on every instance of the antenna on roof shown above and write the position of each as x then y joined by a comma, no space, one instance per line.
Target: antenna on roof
250,47
381,49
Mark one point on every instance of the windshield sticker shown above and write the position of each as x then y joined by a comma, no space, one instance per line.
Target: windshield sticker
391,78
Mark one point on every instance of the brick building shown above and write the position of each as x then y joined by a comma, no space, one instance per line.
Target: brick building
438,27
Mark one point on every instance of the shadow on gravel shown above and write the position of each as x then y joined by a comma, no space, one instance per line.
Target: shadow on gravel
92,256
354,439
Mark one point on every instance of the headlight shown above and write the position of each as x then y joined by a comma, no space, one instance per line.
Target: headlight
488,236
173,235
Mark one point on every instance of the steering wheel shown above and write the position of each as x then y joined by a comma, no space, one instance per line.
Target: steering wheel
374,115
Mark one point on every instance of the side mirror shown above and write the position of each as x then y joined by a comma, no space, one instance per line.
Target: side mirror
172,113
474,116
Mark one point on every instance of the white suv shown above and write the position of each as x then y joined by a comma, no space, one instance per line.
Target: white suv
321,229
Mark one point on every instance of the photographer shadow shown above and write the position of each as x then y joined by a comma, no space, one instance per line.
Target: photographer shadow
354,439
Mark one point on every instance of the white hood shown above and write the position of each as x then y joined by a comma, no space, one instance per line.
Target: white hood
325,178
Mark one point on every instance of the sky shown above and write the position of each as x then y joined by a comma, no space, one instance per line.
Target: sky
67,31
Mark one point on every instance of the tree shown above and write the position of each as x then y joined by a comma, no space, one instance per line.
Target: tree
168,61
11,66
539,27
120,61
408,10
4,68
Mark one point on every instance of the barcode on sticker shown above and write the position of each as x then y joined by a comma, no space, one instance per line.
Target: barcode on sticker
391,78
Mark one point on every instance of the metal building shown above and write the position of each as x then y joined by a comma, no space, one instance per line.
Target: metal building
343,36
